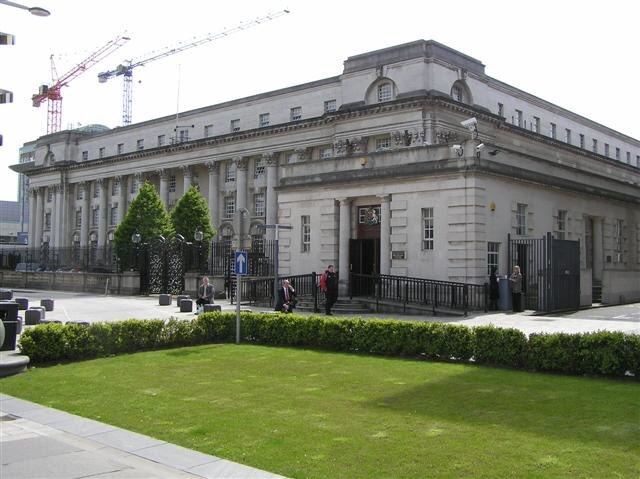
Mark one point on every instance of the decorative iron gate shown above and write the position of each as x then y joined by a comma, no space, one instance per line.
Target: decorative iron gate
550,270
161,264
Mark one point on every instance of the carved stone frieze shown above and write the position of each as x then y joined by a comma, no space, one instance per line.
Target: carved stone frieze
446,136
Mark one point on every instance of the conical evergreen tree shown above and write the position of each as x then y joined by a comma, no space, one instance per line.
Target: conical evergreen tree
146,216
190,214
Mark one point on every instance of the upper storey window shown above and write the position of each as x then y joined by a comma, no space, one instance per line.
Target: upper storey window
460,92
385,92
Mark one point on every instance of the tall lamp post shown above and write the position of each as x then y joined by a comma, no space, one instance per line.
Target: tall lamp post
136,238
37,11
199,236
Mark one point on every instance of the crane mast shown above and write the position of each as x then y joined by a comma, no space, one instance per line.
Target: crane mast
53,94
126,69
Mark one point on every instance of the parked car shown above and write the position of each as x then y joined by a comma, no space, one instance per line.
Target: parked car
24,267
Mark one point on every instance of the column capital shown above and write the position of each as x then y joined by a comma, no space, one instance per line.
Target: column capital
271,158
384,198
344,201
213,166
100,181
163,173
186,170
242,163
303,153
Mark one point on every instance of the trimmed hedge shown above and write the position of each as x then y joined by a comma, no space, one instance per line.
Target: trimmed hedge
602,353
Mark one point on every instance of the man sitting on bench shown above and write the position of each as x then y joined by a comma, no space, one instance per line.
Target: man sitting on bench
205,293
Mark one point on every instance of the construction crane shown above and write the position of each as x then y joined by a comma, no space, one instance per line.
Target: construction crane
126,69
53,93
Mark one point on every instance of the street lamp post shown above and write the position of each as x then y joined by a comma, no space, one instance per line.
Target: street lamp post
199,236
37,11
136,238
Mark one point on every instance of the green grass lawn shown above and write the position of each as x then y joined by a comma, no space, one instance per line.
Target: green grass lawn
310,414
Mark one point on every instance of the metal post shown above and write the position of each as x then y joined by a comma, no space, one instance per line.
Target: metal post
276,260
238,289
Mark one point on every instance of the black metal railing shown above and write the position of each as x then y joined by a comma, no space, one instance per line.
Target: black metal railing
260,290
87,259
419,291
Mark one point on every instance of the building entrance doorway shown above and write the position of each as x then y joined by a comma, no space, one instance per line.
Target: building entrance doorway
364,257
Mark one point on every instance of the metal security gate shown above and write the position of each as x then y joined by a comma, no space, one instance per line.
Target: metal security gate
550,270
162,267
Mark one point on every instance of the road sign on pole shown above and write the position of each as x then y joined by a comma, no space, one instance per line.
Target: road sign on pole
241,262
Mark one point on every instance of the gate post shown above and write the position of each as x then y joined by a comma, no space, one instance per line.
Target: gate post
314,291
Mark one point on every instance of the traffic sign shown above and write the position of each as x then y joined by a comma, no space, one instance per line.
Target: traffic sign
241,262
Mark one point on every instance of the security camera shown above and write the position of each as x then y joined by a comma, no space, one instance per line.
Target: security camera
480,146
470,124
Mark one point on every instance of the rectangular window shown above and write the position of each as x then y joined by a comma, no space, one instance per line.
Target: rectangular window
183,135
208,131
606,150
567,135
49,195
595,145
427,228
47,221
628,157
161,140
562,224
79,191
259,168
101,152
258,204
638,161
235,126
172,204
120,148
617,153
493,256
521,219
115,187
305,228
229,206
456,93
140,145
581,141
553,131
326,153
329,106
296,113
85,155
519,117
536,124
617,235
114,216
263,120
96,189
384,92
230,173
78,218
172,183
95,216
500,109
383,143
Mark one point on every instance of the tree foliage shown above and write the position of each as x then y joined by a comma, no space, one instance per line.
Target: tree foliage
191,213
146,216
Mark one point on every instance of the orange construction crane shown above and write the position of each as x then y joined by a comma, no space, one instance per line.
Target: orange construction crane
126,69
53,93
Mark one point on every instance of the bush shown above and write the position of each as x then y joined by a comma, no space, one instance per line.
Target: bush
601,353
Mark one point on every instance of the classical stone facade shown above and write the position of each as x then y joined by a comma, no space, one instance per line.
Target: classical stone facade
372,169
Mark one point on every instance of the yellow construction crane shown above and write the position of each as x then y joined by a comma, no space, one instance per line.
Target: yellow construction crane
126,69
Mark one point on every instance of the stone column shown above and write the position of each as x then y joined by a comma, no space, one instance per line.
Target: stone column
241,182
385,234
33,201
86,214
63,214
55,217
39,217
214,193
186,178
271,160
122,199
164,186
104,214
343,252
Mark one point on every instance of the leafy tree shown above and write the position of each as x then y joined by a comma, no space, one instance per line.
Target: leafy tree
146,216
191,213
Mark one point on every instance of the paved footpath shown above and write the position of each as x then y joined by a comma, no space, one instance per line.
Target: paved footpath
40,442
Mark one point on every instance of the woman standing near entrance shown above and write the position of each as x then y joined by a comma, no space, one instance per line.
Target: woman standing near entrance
516,289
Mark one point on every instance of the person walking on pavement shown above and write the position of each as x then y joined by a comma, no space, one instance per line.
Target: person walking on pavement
516,289
494,291
329,286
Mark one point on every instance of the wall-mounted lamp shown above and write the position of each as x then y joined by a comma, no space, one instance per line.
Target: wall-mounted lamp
458,149
492,206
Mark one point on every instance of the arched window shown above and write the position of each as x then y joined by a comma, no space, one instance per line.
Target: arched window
460,92
385,92
380,91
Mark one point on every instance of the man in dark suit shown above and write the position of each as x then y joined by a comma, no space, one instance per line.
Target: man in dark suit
205,293
286,297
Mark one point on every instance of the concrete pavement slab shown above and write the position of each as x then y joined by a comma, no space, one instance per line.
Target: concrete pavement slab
230,470
125,440
30,448
176,456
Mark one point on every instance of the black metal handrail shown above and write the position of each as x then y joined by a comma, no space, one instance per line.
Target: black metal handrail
260,290
426,292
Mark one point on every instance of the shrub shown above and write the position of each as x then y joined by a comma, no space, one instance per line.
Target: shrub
499,347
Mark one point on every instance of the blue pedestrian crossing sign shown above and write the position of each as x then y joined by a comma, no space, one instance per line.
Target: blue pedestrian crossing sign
241,262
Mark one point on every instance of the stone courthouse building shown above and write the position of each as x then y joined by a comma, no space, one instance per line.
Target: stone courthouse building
374,171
